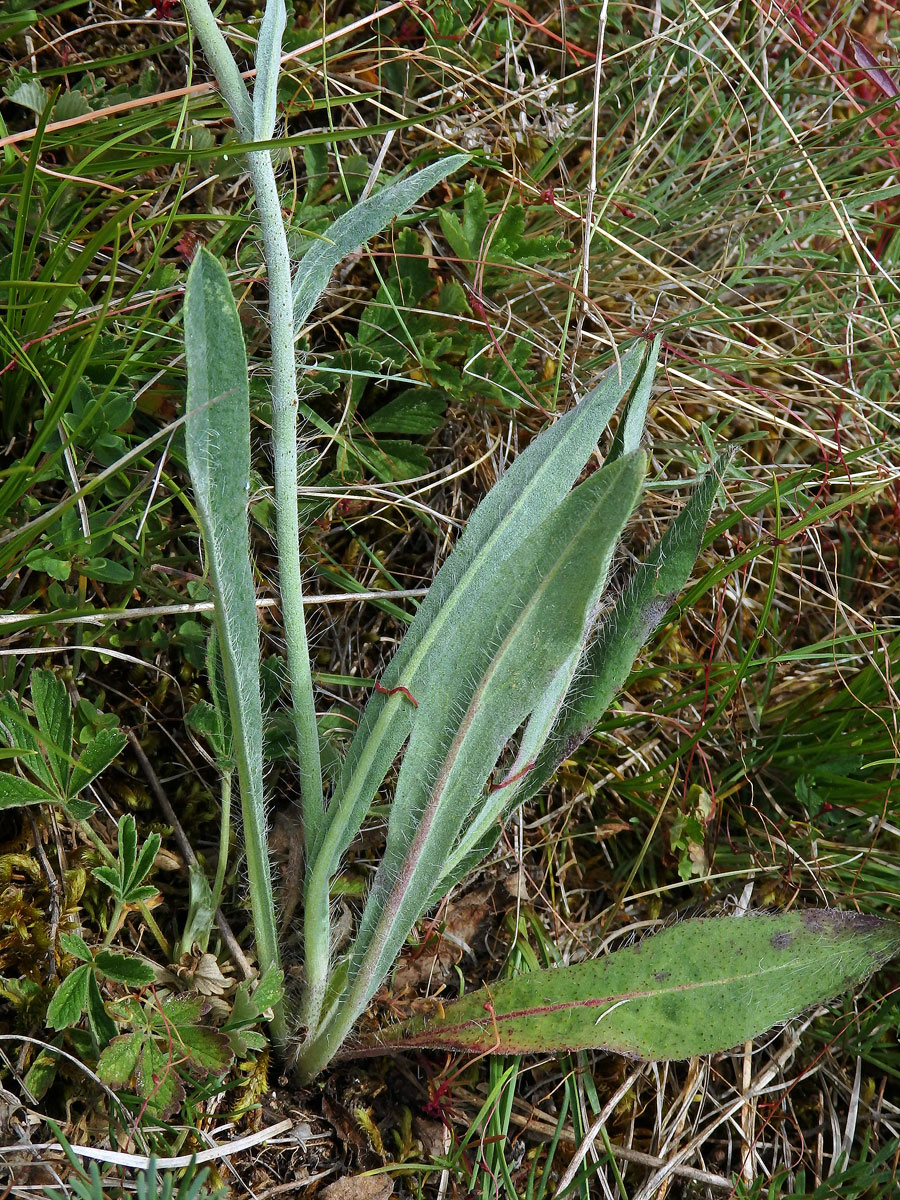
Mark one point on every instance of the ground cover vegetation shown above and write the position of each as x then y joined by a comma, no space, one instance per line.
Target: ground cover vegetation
715,186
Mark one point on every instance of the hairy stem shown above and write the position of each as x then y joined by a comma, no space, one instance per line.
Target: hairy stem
284,409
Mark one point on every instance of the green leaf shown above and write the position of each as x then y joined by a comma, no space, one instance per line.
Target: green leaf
630,429
269,990
417,410
109,876
75,945
29,94
218,451
118,1062
535,483
49,563
127,835
97,755
146,859
644,602
80,808
700,987
70,999
125,969
158,1080
268,66
525,622
104,1027
106,571
355,227
508,243
54,718
207,1049
16,792
41,1074
182,1010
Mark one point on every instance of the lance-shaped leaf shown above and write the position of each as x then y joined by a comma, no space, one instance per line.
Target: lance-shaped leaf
630,429
217,437
528,492
268,65
646,599
363,221
519,629
700,987
534,484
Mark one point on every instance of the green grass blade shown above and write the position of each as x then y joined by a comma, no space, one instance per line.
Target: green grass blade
218,451
700,987
355,227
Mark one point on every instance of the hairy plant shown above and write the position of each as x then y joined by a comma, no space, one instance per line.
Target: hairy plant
502,674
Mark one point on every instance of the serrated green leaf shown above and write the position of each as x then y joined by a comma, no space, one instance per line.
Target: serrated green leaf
146,858
80,808
700,987
102,1024
137,894
72,103
70,998
104,747
118,1062
415,411
124,969
269,990
74,944
207,1049
29,94
109,876
54,718
158,1080
16,792
181,1010
355,227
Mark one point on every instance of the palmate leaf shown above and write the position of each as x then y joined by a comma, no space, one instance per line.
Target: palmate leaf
699,987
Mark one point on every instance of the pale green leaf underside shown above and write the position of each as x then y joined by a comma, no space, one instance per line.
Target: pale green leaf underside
700,987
